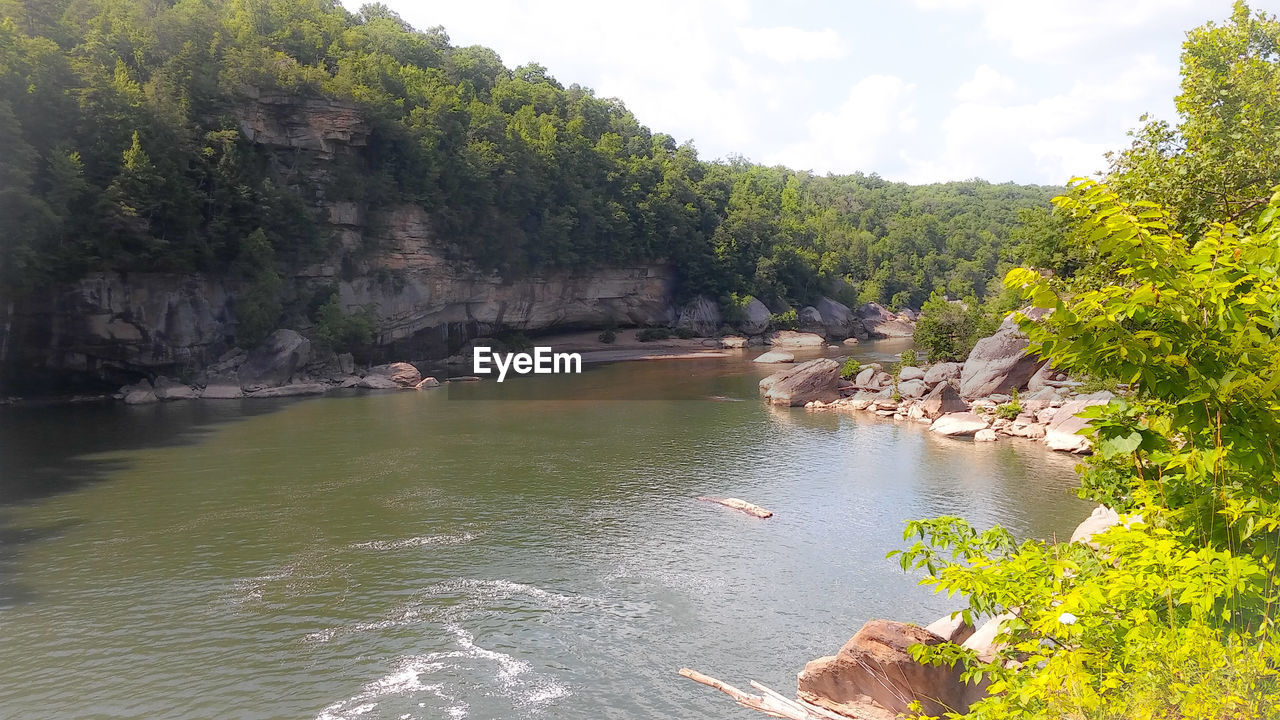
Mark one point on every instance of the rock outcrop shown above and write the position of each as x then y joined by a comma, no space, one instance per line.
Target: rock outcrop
700,315
816,380
876,321
998,363
775,356
793,339
875,672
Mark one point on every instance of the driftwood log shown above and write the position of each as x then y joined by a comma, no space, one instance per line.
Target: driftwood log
768,702
740,505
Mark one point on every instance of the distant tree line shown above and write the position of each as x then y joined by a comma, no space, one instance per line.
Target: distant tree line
122,151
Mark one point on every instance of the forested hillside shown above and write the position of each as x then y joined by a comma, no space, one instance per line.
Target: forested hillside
122,151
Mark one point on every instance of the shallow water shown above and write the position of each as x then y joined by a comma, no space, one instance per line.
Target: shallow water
526,550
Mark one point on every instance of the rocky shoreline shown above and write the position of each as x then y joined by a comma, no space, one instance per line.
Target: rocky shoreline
998,391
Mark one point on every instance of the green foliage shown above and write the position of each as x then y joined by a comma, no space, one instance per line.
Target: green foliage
608,336
685,333
1171,616
784,320
258,304
907,358
341,331
733,308
651,334
850,369
947,330
122,153
1011,409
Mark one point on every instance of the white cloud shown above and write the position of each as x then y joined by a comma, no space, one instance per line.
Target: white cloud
1056,30
876,116
1058,136
987,85
790,45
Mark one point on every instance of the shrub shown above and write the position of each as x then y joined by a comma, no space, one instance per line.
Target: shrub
650,334
784,320
908,358
850,369
608,335
685,333
337,330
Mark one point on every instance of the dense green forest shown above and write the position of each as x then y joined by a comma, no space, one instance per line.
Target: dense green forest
123,151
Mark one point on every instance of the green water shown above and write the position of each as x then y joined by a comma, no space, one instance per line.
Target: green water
533,549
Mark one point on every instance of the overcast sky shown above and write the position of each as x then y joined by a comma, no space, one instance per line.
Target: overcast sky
917,90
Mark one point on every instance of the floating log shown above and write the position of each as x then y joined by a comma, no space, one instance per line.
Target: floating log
740,505
769,702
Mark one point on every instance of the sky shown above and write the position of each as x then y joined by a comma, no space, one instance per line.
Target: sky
1029,91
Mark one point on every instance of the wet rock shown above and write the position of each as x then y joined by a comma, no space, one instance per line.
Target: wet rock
814,380
958,424
776,356
875,672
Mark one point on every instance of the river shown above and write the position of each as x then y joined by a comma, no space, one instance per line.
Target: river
526,550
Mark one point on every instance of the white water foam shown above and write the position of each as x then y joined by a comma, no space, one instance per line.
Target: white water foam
526,690
413,542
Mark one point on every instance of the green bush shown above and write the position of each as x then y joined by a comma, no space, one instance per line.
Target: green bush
850,368
608,335
337,330
685,333
650,334
784,320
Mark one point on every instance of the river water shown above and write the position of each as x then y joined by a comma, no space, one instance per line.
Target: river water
533,549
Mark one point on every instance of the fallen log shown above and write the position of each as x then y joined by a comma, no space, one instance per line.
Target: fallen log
768,702
740,505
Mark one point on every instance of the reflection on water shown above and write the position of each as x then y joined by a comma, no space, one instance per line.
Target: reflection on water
420,555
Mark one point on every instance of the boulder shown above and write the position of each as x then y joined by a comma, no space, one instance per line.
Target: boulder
793,339
912,389
951,628
401,374
701,315
958,424
346,364
140,393
814,380
1061,432
755,317
1039,400
944,399
998,363
837,319
983,640
1101,519
876,321
810,319
225,386
376,382
874,671
911,373
776,356
427,382
733,342
289,390
942,372
167,389
882,379
987,435
864,377
1039,381
272,363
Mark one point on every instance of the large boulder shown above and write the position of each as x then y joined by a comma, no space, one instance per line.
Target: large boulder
291,390
223,386
874,673
814,380
1061,432
910,373
140,393
998,363
951,628
838,321
167,389
755,317
399,374
865,376
700,315
958,424
942,400
942,372
272,363
876,321
793,339
810,320
1100,520
776,356
912,389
